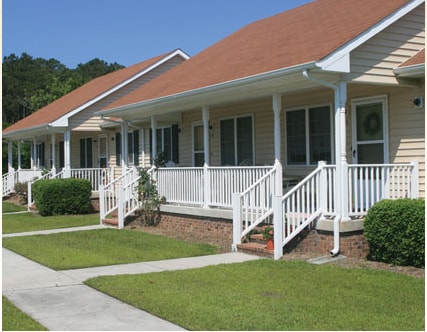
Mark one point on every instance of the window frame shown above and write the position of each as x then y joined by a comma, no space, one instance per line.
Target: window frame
193,140
308,152
235,141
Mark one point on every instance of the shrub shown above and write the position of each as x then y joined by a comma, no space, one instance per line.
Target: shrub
395,232
62,196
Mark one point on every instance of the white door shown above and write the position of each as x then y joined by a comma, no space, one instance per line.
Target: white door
369,145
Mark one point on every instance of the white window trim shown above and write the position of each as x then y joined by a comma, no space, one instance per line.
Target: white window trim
252,116
369,100
306,108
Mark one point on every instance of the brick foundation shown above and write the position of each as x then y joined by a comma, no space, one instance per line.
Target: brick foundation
219,232
209,230
352,244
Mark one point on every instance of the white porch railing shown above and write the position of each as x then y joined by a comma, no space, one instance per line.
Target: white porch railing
206,186
183,185
314,196
368,184
96,176
254,205
109,193
8,182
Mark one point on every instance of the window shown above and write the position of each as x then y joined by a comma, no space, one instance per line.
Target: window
237,141
309,136
198,146
39,157
133,148
86,152
103,151
166,143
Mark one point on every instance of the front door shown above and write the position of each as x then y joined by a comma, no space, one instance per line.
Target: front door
370,131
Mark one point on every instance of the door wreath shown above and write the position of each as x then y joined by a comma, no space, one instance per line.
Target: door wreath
372,123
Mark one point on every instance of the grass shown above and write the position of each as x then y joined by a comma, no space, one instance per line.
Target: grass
275,295
102,247
25,222
8,207
14,319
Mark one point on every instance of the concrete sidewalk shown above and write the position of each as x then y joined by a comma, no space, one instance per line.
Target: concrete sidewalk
60,301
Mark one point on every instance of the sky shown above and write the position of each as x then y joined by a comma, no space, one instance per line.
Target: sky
125,31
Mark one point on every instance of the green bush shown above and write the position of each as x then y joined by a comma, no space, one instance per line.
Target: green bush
395,232
62,196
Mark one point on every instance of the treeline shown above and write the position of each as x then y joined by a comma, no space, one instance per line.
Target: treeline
31,83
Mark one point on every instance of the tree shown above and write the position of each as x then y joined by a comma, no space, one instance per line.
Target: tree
32,83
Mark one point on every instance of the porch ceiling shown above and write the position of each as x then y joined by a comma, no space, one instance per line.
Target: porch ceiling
221,94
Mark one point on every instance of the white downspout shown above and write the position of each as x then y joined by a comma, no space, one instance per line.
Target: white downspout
335,251
339,156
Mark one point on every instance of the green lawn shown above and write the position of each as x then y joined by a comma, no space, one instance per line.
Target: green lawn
275,295
25,222
8,207
14,319
102,247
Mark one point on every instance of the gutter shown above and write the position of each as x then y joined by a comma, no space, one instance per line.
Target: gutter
411,71
210,88
14,133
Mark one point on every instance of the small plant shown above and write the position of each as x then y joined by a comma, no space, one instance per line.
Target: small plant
149,199
21,190
268,233
160,160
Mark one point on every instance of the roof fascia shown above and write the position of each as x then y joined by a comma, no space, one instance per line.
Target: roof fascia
209,89
63,121
339,60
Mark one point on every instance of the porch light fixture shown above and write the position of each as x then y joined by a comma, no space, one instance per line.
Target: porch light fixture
418,102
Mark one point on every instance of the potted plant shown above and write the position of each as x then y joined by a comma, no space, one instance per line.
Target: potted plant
268,235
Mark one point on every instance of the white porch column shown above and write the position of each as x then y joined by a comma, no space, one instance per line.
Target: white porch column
67,153
10,156
153,137
124,132
53,142
206,118
277,108
341,151
34,154
19,155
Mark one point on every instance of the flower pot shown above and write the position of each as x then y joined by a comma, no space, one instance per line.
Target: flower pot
270,244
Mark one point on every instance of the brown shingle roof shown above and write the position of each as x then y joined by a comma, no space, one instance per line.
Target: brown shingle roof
301,35
417,59
81,95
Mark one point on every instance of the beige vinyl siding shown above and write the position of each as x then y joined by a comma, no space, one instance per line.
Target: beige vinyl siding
86,120
375,60
407,131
